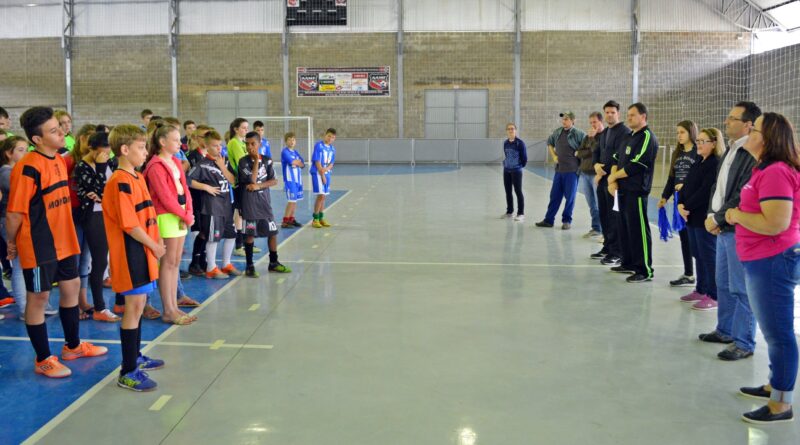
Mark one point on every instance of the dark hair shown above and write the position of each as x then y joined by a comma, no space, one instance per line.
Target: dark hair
640,107
288,135
258,124
751,111
611,103
252,134
156,117
102,128
3,113
597,115
7,146
99,140
690,128
33,119
187,123
79,150
146,112
780,142
234,125
212,135
331,131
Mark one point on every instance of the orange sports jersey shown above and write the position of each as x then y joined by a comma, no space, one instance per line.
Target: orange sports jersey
40,192
127,205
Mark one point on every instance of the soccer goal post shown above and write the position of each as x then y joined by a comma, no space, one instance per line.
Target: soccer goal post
275,127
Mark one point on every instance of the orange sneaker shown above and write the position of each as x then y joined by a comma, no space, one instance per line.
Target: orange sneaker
231,270
216,274
85,349
50,367
119,309
105,315
8,301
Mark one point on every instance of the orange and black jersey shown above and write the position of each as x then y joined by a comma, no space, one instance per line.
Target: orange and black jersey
127,205
40,192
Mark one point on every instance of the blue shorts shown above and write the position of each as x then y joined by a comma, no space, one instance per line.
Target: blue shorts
294,191
319,187
141,290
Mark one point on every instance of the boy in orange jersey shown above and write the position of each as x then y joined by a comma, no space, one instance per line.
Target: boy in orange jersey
40,230
135,247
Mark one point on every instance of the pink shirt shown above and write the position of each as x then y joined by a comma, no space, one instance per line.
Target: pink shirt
776,181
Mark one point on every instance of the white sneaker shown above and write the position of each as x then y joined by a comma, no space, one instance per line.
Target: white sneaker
519,218
590,234
49,310
507,216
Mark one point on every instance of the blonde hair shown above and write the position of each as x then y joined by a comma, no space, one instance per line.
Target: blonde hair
716,137
124,134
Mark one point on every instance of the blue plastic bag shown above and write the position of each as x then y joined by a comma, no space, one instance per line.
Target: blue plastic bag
678,223
664,228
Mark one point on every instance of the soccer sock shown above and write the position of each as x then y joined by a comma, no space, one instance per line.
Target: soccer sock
197,250
70,320
248,253
321,215
273,256
128,338
119,300
211,255
227,251
38,335
316,216
139,338
239,239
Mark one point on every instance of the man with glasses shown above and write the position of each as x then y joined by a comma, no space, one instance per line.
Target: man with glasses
736,324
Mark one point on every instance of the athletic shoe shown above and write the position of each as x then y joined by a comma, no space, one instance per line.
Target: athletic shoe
544,224
758,392
295,223
256,250
324,223
106,316
7,274
692,297
231,270
136,380
185,275
683,281
146,363
519,218
278,267
240,252
592,233
50,367
622,269
566,226
706,304
316,224
216,274
715,337
638,278
251,273
196,270
2,316
84,350
8,301
50,310
611,260
119,309
598,256
507,216
763,416
733,353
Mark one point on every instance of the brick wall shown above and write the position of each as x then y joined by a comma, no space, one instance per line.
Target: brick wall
32,73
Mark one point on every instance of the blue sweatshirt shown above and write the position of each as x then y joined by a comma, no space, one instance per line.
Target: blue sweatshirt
516,154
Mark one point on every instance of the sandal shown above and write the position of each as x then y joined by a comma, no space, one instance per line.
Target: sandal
183,320
186,301
150,312
86,314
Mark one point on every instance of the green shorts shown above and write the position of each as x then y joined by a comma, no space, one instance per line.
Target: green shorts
171,226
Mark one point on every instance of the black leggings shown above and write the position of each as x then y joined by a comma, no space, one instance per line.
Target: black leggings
95,233
513,178
688,267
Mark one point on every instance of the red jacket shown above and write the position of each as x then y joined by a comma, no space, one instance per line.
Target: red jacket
162,188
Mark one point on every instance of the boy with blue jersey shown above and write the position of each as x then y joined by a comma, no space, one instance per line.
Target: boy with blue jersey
264,149
292,164
322,161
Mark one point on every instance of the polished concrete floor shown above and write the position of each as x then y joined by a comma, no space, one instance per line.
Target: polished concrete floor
423,318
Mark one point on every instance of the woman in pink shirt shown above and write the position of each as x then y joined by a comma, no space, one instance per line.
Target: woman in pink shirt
173,203
768,243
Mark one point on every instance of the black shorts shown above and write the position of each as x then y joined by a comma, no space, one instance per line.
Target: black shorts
237,198
41,278
260,228
215,228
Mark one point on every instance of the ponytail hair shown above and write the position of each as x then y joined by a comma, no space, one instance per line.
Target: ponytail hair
234,125
160,131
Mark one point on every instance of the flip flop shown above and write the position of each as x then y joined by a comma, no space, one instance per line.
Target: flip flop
183,320
150,313
186,301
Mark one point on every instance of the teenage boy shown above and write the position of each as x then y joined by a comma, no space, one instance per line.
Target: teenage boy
146,116
264,149
40,230
189,128
292,164
256,175
322,160
134,249
212,176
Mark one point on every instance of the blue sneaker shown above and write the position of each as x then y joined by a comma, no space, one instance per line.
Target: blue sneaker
146,363
136,380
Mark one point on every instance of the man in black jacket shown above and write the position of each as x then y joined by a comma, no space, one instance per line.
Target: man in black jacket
631,182
736,324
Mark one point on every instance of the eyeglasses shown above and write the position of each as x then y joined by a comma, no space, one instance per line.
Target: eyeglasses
732,118
705,141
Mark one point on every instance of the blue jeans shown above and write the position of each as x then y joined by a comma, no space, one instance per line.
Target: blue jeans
17,279
734,317
565,186
770,285
84,259
703,246
587,186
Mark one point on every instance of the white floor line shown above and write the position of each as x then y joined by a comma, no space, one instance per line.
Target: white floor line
74,406
445,264
215,345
